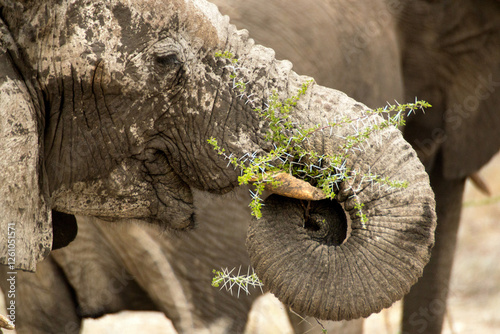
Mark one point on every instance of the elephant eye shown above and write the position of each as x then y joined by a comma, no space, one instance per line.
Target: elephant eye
167,60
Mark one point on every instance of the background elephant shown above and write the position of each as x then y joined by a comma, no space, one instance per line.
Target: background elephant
447,53
135,266
111,105
460,134
351,46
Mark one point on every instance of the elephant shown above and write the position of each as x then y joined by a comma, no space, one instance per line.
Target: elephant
459,134
447,53
107,108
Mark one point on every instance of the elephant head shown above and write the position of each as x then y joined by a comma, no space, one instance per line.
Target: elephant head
113,103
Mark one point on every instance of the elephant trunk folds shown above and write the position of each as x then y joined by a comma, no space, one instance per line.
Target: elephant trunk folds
299,252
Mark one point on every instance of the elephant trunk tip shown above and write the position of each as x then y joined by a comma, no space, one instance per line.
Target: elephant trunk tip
325,222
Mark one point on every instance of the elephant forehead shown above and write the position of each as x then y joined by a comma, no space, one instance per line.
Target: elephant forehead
201,18
141,22
83,33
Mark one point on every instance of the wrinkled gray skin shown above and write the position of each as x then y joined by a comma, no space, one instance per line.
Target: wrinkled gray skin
112,104
448,54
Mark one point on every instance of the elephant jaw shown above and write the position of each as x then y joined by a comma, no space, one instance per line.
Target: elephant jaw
166,202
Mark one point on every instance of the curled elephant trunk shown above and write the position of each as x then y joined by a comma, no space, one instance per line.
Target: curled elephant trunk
300,251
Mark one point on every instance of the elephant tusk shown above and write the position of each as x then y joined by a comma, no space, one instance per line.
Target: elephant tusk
293,187
478,181
6,323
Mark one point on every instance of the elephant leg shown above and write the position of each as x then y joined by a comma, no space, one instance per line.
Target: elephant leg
425,306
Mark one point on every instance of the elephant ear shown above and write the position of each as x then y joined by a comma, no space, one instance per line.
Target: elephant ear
25,219
475,138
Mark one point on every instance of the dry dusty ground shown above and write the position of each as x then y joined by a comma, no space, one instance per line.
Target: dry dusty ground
474,303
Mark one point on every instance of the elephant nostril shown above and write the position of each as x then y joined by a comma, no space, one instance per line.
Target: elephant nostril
311,225
326,222
322,222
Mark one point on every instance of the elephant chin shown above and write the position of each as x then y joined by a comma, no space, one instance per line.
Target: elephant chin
300,251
